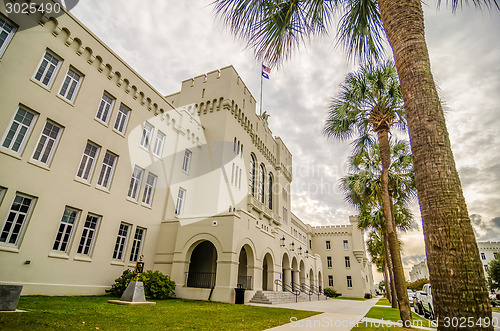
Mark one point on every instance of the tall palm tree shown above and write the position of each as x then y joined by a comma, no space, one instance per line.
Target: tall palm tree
363,190
274,28
371,101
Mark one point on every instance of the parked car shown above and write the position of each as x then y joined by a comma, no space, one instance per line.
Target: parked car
411,294
423,302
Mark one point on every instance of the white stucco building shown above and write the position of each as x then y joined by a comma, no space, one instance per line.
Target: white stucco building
98,167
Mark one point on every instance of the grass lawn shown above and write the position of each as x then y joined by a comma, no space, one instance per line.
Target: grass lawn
383,302
95,312
389,314
495,308
347,298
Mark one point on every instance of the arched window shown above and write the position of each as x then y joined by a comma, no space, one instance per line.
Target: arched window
237,151
252,174
270,194
234,146
262,183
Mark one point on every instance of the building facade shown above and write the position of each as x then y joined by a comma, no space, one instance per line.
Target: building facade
346,266
99,168
419,271
488,251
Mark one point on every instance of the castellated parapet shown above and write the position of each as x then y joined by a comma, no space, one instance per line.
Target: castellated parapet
224,90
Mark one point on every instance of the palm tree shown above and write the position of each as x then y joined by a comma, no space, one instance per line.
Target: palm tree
363,190
274,28
370,101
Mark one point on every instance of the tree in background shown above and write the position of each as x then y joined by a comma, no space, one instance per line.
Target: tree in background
275,28
494,273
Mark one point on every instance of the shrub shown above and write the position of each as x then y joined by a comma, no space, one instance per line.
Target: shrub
156,284
330,292
121,283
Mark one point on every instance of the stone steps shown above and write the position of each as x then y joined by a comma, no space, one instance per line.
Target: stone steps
276,297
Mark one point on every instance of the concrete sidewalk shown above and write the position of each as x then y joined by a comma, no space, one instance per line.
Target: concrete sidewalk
338,314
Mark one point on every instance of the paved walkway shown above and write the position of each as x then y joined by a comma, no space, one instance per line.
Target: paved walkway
339,314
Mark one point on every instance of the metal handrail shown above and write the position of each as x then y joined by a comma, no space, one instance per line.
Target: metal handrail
287,288
313,289
304,288
295,286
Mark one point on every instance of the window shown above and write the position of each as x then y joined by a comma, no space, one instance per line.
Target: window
16,220
105,108
346,244
20,128
239,180
121,241
187,160
71,84
347,262
241,151
252,175
149,189
65,232
234,146
160,140
107,169
349,281
47,143
262,180
486,267
285,215
136,251
310,244
7,31
88,160
483,256
135,183
270,194
330,280
329,261
180,201
47,70
147,132
232,174
328,244
122,119
88,235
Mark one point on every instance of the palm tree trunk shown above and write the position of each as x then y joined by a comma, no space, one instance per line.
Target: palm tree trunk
386,280
451,248
392,286
397,265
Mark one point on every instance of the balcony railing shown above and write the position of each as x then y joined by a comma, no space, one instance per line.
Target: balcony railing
245,282
200,279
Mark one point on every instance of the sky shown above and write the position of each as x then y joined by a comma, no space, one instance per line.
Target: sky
168,41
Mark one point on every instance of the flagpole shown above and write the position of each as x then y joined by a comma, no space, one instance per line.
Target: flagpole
262,65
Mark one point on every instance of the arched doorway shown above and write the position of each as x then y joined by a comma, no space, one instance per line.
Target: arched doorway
202,266
302,273
286,273
245,268
267,273
320,281
311,278
295,274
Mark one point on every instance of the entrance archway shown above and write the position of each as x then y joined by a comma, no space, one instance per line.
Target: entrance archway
202,266
320,281
295,275
302,273
285,270
267,273
311,278
245,268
